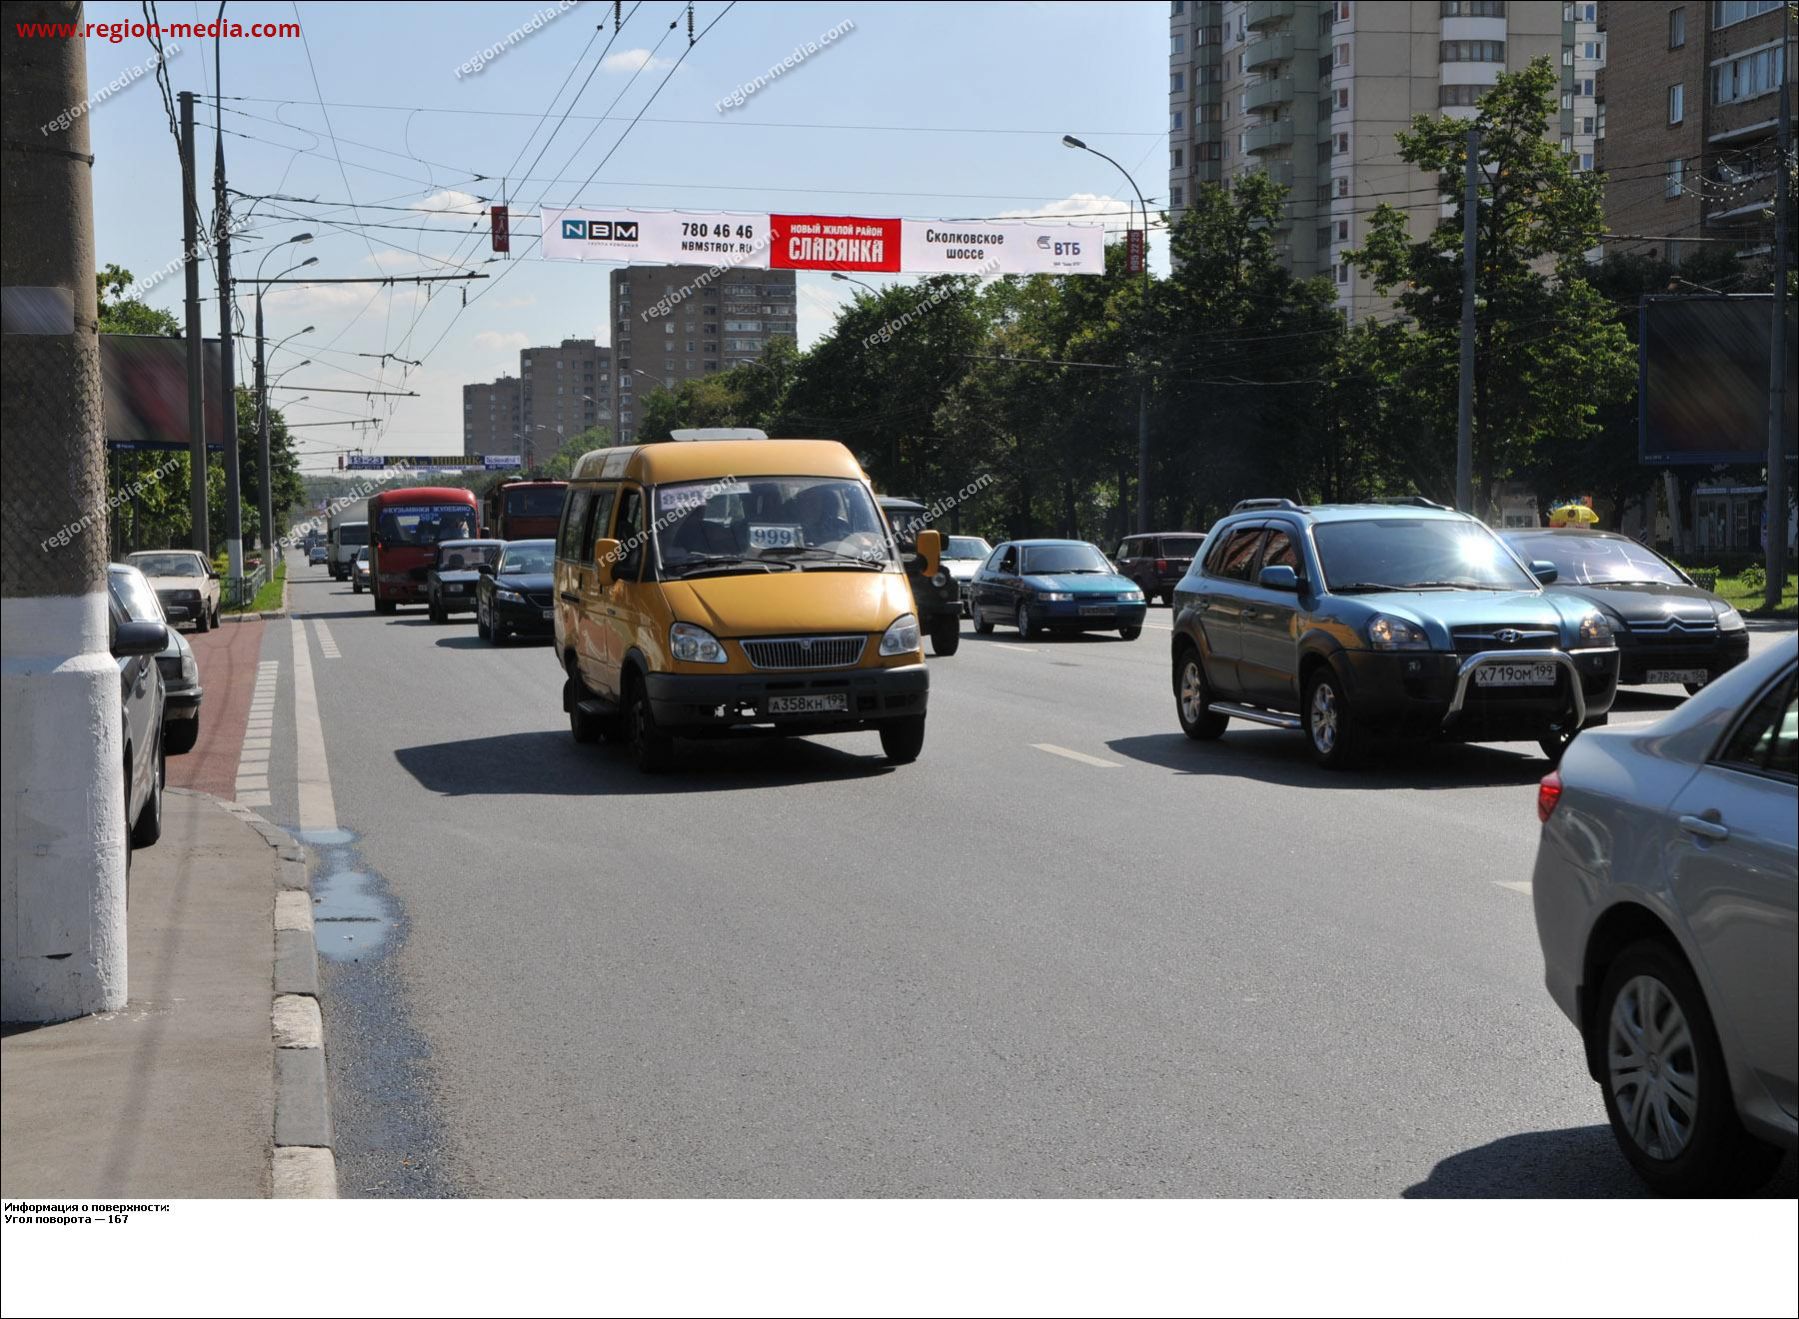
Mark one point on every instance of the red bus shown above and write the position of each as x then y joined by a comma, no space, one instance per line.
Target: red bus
405,528
525,510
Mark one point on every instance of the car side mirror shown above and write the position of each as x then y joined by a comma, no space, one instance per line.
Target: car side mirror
930,549
485,569
213,574
1544,571
605,559
139,637
1279,577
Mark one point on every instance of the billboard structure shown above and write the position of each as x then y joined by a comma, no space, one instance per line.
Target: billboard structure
144,392
1702,385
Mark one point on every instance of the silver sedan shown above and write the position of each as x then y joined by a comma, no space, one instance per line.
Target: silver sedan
1665,902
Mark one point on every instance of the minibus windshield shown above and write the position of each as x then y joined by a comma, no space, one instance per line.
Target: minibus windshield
769,523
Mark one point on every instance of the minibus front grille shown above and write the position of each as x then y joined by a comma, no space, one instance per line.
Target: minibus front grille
804,652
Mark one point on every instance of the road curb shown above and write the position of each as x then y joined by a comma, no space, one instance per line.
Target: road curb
303,1164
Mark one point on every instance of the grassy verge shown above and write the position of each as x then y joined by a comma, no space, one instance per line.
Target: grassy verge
1746,595
269,597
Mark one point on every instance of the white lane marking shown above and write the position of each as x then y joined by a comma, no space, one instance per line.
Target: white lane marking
1081,756
1515,885
251,788
1007,645
327,643
312,775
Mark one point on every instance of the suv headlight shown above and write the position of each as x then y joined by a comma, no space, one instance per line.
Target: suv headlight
1729,620
901,636
1595,630
1387,633
695,645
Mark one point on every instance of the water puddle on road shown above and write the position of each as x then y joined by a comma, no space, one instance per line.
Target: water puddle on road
350,918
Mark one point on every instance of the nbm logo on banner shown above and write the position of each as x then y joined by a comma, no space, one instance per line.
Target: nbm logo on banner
601,231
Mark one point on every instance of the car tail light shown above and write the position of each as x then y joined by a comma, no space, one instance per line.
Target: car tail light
1161,565
1549,795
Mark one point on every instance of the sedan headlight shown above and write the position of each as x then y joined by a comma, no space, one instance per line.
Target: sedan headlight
1054,596
1386,633
1130,595
689,642
1595,630
510,597
901,636
1729,620
190,672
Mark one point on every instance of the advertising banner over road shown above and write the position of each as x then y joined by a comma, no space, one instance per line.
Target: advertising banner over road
667,238
825,242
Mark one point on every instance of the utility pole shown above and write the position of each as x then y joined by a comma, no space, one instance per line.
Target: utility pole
63,799
1464,419
221,223
1778,439
200,538
267,509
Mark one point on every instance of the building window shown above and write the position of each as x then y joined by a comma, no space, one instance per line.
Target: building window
1342,98
1473,8
1175,120
1342,11
1461,93
1178,44
1340,54
1747,76
1176,9
1342,272
1726,12
1677,27
1586,162
1472,52
1343,186
1592,50
1177,81
1174,194
1673,180
1342,231
1342,144
1179,156
1599,120
1586,86
1677,102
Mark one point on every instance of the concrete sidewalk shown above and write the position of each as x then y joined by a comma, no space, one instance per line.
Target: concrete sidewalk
174,1096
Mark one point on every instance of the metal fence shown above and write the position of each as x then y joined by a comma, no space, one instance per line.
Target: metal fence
238,592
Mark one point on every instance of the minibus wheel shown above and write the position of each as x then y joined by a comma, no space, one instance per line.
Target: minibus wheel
654,749
903,739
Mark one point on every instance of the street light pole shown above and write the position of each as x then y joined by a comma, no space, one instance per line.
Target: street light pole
839,275
267,507
1142,380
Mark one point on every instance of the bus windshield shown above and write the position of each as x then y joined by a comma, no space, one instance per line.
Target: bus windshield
426,525
538,501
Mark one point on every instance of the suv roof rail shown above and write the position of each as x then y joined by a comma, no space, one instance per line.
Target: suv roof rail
1244,505
1419,501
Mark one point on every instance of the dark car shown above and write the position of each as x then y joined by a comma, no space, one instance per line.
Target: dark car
450,585
1360,621
135,645
1158,562
1668,630
938,597
1054,585
181,690
515,595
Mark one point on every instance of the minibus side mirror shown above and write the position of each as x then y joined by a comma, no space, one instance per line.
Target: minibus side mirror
930,549
605,559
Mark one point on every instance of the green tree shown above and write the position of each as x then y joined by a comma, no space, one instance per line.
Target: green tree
122,315
1550,353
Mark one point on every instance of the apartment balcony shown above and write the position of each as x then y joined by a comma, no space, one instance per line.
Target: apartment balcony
1268,50
1274,91
1208,93
1281,171
1268,137
1260,13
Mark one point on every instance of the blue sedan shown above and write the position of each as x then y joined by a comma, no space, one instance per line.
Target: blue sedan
1054,585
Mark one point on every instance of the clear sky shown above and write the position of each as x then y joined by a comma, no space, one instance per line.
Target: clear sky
920,110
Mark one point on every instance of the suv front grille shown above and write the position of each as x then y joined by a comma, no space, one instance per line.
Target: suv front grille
804,652
1472,640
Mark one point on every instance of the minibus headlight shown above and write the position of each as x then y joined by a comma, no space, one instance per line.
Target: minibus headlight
695,645
901,637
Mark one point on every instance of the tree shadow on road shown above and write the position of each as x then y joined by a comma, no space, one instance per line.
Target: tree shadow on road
1273,755
551,763
1574,1162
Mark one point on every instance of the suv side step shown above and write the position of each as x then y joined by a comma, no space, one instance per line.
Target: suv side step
1290,722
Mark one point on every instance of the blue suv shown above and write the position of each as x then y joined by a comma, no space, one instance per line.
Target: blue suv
1358,622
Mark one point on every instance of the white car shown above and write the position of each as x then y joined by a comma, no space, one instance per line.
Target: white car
962,558
185,583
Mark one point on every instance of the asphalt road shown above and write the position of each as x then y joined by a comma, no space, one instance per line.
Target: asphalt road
1068,952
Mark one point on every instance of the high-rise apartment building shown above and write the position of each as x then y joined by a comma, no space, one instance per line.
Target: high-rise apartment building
677,323
490,417
1692,95
564,390
1314,92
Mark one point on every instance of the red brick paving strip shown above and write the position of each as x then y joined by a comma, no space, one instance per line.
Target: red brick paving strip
227,657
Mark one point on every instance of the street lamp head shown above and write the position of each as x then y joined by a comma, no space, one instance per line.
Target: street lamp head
301,238
309,261
838,274
1070,140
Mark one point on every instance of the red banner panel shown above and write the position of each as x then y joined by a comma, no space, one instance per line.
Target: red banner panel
833,242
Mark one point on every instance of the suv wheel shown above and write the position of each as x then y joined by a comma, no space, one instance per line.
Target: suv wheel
1666,1090
1329,722
1191,698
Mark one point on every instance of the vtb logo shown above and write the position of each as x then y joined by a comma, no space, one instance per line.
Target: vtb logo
601,231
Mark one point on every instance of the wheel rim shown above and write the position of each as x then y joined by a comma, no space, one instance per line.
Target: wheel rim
1652,1068
1325,717
1024,620
1193,692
